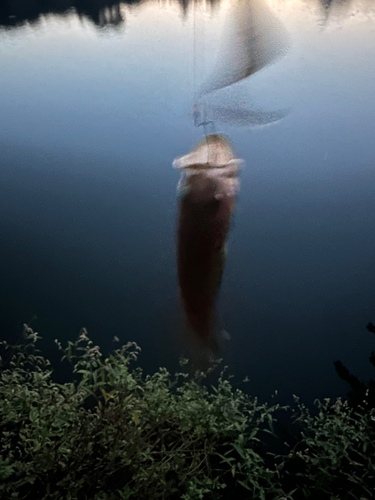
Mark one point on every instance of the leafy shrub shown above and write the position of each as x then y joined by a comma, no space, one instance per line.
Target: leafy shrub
113,433
334,458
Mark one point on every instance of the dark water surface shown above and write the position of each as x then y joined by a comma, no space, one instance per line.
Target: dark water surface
95,105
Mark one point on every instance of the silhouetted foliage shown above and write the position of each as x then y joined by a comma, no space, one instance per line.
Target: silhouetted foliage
14,13
102,13
359,391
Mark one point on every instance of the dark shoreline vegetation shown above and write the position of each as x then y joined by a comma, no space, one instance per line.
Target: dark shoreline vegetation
113,433
16,13
102,13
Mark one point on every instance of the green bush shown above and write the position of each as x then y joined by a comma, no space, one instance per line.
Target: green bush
114,433
334,458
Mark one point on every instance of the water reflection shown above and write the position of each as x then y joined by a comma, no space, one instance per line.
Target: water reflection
104,13
330,10
254,39
90,124
14,13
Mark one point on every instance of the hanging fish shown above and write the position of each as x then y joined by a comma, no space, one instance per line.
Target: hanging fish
209,173
208,186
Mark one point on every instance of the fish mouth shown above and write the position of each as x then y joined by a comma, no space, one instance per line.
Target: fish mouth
214,151
210,169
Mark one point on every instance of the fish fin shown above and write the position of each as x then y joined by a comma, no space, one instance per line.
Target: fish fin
224,334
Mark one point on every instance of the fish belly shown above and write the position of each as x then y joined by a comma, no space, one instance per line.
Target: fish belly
204,222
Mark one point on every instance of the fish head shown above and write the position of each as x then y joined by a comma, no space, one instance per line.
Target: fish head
210,170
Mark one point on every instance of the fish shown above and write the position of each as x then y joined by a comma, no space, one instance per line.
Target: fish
207,188
209,179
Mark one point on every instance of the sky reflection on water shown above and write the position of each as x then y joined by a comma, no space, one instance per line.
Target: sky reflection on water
91,121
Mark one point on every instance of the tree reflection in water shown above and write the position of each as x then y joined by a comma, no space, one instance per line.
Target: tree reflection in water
15,13
102,13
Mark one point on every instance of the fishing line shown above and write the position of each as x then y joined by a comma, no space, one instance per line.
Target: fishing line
194,60
199,109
